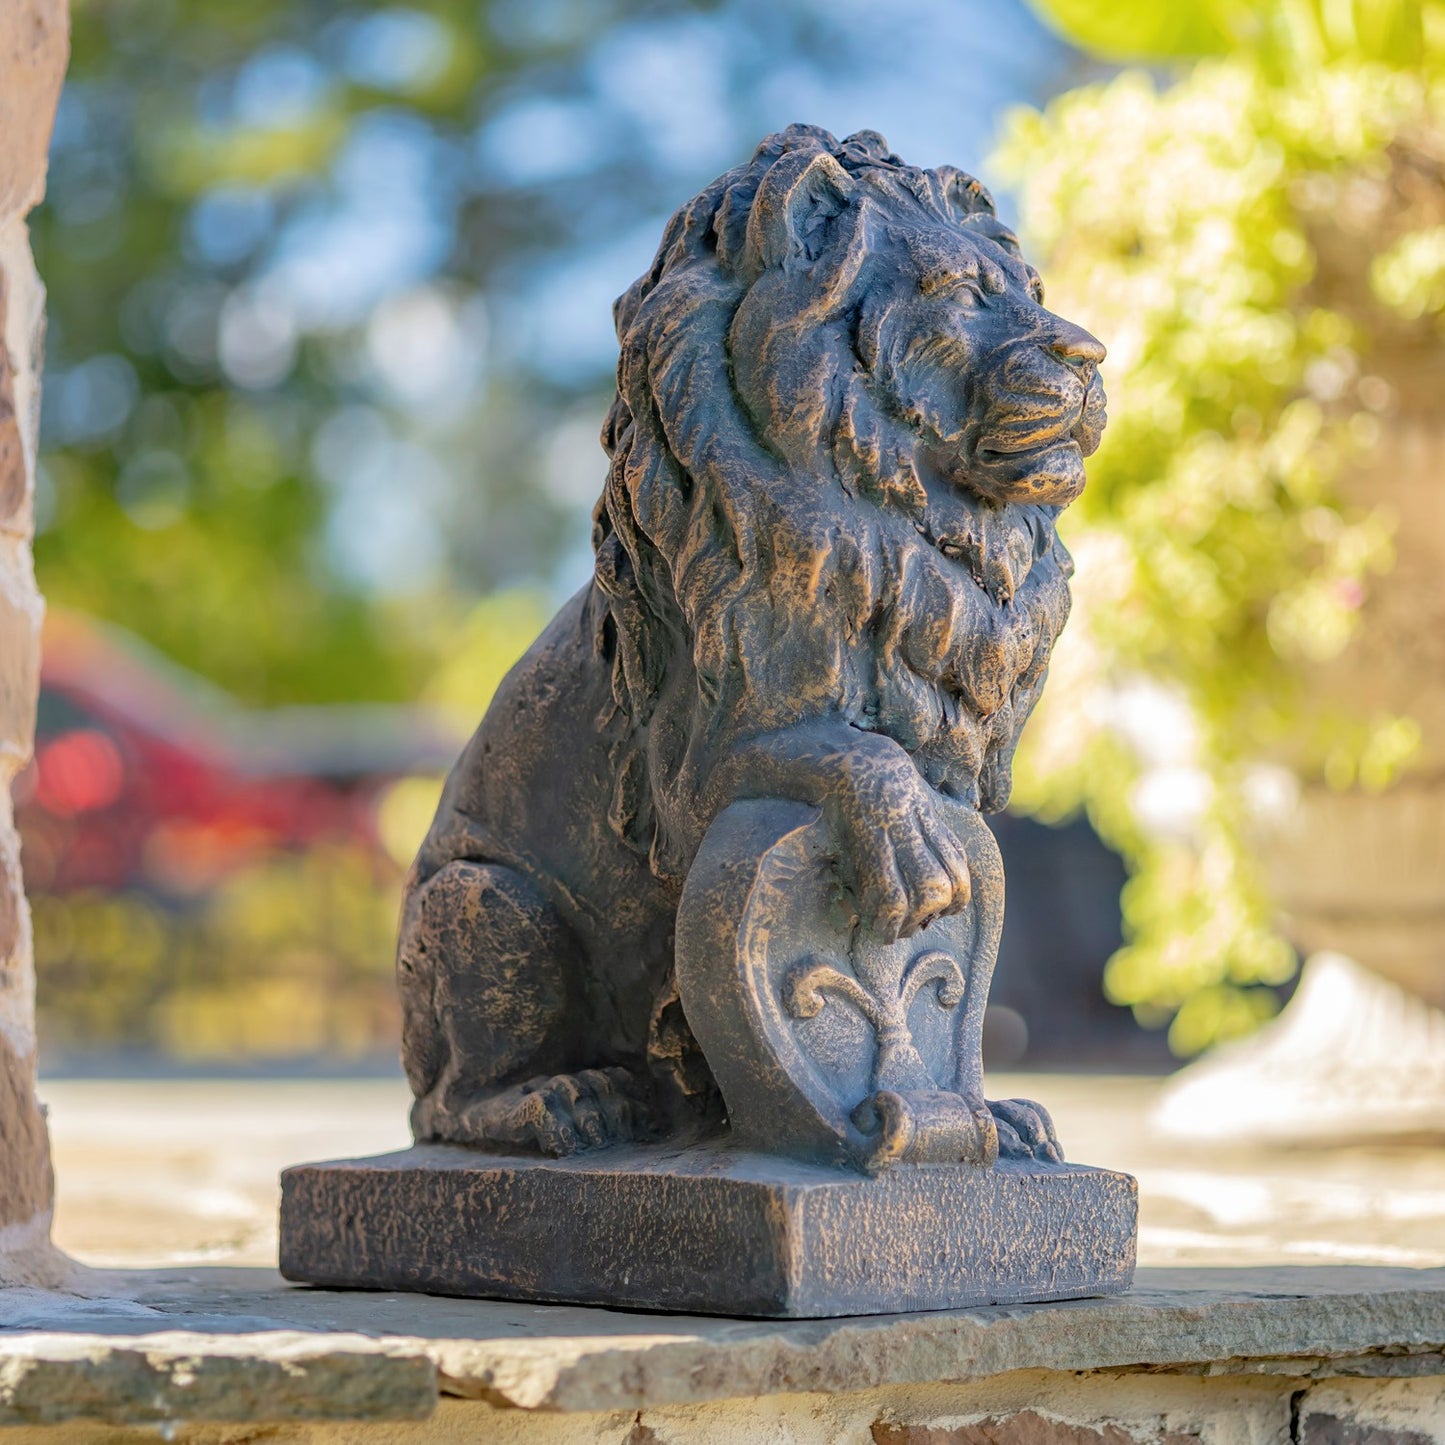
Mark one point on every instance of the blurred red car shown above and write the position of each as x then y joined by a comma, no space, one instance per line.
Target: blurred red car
147,776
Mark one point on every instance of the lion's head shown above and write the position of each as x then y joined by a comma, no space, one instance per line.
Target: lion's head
843,428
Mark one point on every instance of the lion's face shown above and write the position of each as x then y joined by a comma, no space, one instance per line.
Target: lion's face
1004,395
934,313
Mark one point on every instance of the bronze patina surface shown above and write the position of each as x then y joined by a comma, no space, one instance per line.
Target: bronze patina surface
712,874
709,1230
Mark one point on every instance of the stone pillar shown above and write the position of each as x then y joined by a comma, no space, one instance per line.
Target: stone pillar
34,44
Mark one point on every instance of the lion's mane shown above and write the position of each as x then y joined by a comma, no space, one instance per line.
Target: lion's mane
760,544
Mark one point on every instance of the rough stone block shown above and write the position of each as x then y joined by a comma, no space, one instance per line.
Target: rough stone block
1331,1430
710,1230
20,652
25,1176
1022,1427
14,482
34,47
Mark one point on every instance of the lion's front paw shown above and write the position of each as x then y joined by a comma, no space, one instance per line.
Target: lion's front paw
902,861
1025,1131
559,1115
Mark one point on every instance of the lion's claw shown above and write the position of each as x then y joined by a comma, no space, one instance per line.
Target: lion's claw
559,1115
902,861
1025,1131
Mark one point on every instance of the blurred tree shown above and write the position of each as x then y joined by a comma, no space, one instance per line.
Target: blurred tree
192,399
1248,239
286,958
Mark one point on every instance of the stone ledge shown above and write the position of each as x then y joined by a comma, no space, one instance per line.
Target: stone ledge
241,1345
47,1379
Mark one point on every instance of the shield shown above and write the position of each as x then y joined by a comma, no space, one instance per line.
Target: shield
827,1043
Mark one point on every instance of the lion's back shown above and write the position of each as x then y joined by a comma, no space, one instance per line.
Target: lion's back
532,787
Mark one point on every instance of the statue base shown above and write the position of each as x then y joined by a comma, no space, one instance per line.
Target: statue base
708,1229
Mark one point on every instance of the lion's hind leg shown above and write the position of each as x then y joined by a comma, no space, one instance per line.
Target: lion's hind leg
492,1038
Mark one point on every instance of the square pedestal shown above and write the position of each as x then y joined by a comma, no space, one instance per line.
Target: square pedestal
708,1230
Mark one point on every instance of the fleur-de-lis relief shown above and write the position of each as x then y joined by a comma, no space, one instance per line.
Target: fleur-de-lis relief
934,966
809,984
804,993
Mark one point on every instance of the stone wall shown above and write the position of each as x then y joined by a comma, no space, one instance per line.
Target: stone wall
34,44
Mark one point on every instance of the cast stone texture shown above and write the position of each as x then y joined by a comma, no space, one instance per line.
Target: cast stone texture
709,1230
713,871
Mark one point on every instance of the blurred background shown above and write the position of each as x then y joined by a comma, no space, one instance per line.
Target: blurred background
330,347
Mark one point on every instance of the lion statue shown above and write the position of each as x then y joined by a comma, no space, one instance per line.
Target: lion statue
826,571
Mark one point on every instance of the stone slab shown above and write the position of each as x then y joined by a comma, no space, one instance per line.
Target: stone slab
708,1230
128,1346
180,1376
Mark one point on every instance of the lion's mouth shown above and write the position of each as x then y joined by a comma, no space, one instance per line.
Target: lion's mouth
1029,468
998,451
1076,428
1001,447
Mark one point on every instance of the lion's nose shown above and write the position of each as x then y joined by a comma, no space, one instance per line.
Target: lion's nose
1073,345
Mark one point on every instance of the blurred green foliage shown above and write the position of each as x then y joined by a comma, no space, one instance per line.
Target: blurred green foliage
288,958
190,396
1184,223
174,501
1281,34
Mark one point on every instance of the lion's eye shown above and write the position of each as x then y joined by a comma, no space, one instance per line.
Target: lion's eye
951,549
956,285
966,292
993,280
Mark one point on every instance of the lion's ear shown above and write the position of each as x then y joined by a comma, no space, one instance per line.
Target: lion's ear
800,194
964,196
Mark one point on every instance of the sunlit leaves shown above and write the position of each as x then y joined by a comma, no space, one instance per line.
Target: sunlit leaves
1143,29
1284,34
1410,276
1183,225
289,956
